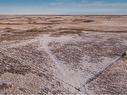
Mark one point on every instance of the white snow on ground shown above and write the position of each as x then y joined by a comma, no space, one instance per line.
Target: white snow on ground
63,72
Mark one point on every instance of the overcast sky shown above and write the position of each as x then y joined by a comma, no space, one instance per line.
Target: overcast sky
64,7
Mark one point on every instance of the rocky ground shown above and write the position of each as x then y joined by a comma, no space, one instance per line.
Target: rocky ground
63,55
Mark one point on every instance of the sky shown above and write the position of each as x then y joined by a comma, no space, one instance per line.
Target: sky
64,7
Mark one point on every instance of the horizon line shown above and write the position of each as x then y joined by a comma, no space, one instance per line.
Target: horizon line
63,14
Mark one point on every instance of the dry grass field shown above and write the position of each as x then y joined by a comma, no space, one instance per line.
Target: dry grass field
66,55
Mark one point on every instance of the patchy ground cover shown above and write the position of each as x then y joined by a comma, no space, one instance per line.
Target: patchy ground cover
55,59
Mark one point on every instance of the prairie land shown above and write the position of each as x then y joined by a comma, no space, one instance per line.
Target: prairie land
45,55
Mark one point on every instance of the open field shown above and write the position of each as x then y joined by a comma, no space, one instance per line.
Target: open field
45,55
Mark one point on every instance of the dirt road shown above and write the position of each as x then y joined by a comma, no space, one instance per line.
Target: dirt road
47,55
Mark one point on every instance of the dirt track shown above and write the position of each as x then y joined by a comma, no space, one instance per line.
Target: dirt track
62,62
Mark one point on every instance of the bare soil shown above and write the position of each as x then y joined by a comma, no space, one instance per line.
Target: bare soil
44,55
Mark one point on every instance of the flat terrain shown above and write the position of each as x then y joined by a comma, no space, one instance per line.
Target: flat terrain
45,55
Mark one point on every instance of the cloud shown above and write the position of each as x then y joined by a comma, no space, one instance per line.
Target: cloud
105,5
57,4
62,7
92,5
